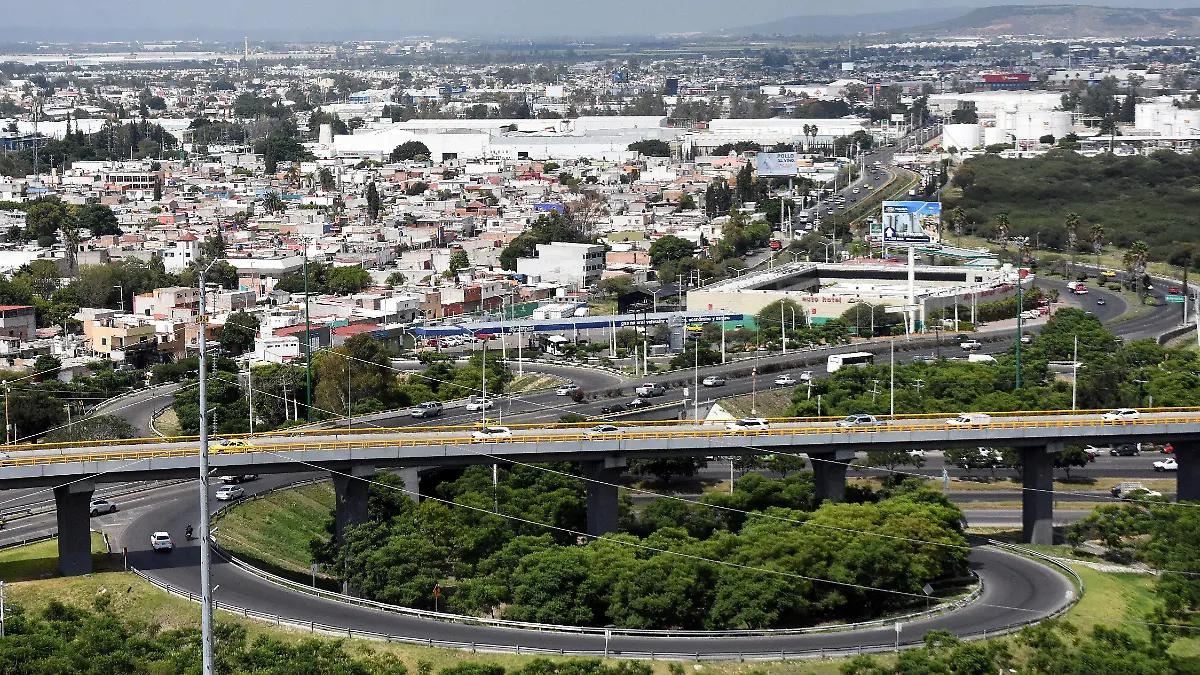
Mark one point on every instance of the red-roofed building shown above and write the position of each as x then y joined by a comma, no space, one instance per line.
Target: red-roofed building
343,333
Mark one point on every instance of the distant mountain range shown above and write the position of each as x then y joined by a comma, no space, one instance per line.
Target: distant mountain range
1067,21
1053,21
836,25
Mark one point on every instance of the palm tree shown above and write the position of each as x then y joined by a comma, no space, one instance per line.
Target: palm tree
1002,230
958,219
1097,235
1140,251
1071,224
272,202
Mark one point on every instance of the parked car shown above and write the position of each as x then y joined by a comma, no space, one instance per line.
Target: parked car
970,418
491,433
98,506
859,420
1168,464
785,381
161,541
238,478
567,389
426,409
1121,414
748,424
1125,450
479,404
602,429
713,381
229,492
650,389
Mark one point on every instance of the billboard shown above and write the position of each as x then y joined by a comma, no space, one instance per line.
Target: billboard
776,164
910,222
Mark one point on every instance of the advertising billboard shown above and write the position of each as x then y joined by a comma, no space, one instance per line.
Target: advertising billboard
910,222
776,164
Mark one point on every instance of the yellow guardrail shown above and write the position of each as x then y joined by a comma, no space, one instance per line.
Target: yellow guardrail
294,433
367,443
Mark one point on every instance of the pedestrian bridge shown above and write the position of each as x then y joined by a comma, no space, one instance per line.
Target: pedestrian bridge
354,454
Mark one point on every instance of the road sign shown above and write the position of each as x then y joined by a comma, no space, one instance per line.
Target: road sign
1174,298
928,589
437,590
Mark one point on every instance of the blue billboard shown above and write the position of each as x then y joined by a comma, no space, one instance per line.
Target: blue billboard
911,222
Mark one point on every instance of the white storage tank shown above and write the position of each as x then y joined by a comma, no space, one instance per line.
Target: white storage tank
962,136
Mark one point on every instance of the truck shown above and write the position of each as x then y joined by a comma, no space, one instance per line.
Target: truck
1078,287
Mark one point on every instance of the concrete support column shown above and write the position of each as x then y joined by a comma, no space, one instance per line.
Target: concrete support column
602,498
1187,479
350,498
412,481
71,503
1037,498
829,474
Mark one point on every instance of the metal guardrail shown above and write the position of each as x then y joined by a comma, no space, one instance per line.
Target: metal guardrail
630,434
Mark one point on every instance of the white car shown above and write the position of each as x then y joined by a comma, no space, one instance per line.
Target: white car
479,404
567,390
970,418
1168,464
916,452
229,493
603,429
806,376
785,381
859,420
491,433
161,541
1093,452
713,381
1121,414
748,424
98,506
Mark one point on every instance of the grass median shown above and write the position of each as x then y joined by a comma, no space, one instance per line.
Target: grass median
273,531
40,560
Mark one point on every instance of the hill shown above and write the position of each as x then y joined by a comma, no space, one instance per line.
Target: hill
835,25
1067,21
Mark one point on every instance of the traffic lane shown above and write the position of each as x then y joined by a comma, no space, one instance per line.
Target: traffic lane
1021,583
139,410
1013,517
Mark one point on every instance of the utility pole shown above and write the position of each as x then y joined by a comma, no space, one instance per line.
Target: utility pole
250,394
308,343
206,625
1020,316
1074,371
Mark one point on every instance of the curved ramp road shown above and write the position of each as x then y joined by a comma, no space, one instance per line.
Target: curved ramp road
1016,590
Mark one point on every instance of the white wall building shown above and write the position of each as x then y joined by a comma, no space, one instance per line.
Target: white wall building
564,263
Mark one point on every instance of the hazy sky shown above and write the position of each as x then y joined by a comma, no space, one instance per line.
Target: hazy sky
381,19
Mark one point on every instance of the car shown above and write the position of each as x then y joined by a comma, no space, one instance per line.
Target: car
1168,464
637,403
969,418
477,404
1174,290
1130,488
1125,450
426,409
229,492
229,444
238,478
748,424
1108,274
713,381
806,376
650,389
916,452
610,409
856,190
1167,449
858,420
98,506
567,390
785,381
1093,452
1120,415
491,433
602,429
970,345
1026,339
1101,301
161,541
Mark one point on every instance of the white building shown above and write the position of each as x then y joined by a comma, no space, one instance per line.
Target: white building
562,263
1164,119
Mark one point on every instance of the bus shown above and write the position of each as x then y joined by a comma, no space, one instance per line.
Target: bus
836,361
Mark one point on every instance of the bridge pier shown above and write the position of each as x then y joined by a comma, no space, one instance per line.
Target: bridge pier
602,500
1187,478
350,498
71,504
412,481
1037,498
829,474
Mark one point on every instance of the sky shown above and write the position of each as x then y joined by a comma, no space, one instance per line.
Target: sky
335,20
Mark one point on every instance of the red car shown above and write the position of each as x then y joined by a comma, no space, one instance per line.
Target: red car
1168,449
1174,290
776,244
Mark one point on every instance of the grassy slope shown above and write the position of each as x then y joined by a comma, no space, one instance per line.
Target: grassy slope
278,527
40,560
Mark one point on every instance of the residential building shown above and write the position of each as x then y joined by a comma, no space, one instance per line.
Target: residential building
564,263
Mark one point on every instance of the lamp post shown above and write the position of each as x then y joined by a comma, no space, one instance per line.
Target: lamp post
1020,317
206,624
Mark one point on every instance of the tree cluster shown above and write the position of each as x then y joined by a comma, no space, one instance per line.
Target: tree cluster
549,227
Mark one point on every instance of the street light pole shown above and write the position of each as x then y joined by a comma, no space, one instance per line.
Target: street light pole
308,341
1020,316
206,625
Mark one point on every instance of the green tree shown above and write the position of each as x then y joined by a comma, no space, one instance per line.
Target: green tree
651,148
409,151
670,248
97,219
237,335
668,467
346,280
272,202
459,261
373,203
396,279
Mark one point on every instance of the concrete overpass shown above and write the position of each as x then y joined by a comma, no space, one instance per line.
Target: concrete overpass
354,456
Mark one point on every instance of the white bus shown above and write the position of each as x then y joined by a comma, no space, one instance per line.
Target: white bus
836,361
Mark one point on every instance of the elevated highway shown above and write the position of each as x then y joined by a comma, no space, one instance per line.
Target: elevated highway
356,454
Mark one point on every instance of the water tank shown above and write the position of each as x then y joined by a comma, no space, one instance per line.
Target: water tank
962,136
326,136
